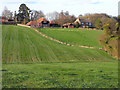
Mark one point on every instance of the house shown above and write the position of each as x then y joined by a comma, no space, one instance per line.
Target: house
53,24
84,23
43,22
68,25
5,21
33,24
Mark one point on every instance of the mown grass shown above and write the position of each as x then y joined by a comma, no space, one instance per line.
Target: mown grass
32,61
24,45
61,75
75,36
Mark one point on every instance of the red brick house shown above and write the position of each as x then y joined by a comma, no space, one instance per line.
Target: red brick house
43,22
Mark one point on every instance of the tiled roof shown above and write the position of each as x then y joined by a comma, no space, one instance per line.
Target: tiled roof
32,23
51,22
41,19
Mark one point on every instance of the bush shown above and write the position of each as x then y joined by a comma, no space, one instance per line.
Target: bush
110,40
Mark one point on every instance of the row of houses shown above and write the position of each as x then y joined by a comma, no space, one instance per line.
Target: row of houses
42,23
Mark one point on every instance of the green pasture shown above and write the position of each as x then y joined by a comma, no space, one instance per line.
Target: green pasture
61,75
33,61
75,36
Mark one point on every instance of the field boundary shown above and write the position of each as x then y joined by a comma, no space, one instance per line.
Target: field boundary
44,35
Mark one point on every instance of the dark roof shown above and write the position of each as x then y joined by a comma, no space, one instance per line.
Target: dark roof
84,20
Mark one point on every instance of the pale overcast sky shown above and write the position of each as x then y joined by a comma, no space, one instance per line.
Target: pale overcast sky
75,7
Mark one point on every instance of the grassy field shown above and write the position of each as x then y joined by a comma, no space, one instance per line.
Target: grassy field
61,75
75,36
30,60
24,45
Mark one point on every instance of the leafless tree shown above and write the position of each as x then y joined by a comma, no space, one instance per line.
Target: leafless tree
36,14
52,16
7,13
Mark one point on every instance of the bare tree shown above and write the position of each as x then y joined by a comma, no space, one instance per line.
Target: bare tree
7,13
36,14
52,16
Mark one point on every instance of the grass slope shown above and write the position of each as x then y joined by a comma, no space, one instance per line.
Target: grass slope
32,61
74,36
24,45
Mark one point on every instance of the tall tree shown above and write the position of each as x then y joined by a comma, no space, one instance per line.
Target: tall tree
24,12
15,16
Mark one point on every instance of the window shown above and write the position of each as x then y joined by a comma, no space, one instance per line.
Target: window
90,24
44,21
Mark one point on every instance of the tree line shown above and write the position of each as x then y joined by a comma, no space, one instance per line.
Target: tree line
25,14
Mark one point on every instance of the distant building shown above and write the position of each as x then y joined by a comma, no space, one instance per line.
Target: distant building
42,23
68,25
53,24
5,21
33,24
84,22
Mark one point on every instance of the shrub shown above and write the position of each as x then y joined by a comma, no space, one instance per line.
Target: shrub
110,40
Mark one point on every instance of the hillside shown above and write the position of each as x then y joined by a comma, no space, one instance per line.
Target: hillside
33,61
24,45
75,36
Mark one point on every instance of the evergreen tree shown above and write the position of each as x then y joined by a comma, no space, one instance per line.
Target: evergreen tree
24,13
